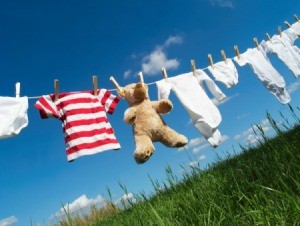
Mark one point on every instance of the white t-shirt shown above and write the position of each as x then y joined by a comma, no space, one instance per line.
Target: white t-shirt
265,72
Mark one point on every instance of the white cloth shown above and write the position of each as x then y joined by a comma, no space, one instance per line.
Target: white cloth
13,116
225,72
202,78
283,47
296,27
204,114
265,72
293,36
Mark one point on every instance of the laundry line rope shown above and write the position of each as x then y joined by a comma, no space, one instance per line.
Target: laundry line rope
148,84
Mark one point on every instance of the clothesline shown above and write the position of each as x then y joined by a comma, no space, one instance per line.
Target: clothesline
235,48
87,130
148,84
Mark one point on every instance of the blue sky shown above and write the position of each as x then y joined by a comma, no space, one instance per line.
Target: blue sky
73,40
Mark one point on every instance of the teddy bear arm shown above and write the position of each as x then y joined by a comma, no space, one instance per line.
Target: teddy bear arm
129,115
162,106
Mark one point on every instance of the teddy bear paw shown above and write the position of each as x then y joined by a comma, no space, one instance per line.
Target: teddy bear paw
143,156
182,141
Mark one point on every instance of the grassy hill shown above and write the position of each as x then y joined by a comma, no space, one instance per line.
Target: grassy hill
261,186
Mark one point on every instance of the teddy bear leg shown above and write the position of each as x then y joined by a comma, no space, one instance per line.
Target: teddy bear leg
144,148
171,138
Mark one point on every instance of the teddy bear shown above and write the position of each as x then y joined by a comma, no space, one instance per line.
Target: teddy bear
148,126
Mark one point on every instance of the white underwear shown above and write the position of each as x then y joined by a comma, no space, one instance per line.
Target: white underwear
13,116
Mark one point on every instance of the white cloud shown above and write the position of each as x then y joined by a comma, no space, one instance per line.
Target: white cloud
202,157
238,136
195,163
80,203
173,40
249,136
8,221
227,99
125,200
127,74
221,3
242,116
198,144
252,139
293,87
192,143
200,148
224,138
125,197
153,62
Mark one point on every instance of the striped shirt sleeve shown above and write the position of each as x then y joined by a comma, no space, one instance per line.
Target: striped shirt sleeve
46,107
108,100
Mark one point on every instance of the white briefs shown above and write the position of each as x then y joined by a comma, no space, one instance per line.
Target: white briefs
13,116
225,72
204,114
265,72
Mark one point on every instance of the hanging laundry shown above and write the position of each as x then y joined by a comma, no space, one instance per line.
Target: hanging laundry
204,114
202,78
293,36
283,46
84,120
265,72
296,27
13,116
225,72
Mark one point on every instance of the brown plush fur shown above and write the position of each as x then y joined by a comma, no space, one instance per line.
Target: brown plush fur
148,125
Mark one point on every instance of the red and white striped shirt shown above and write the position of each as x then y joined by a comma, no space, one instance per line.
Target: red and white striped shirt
84,121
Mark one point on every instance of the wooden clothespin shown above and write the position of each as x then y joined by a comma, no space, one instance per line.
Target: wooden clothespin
237,52
119,88
164,72
268,37
287,24
56,89
95,84
279,30
256,43
193,64
18,90
140,74
224,56
210,60
296,18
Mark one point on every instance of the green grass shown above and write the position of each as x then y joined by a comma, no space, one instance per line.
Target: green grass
261,186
